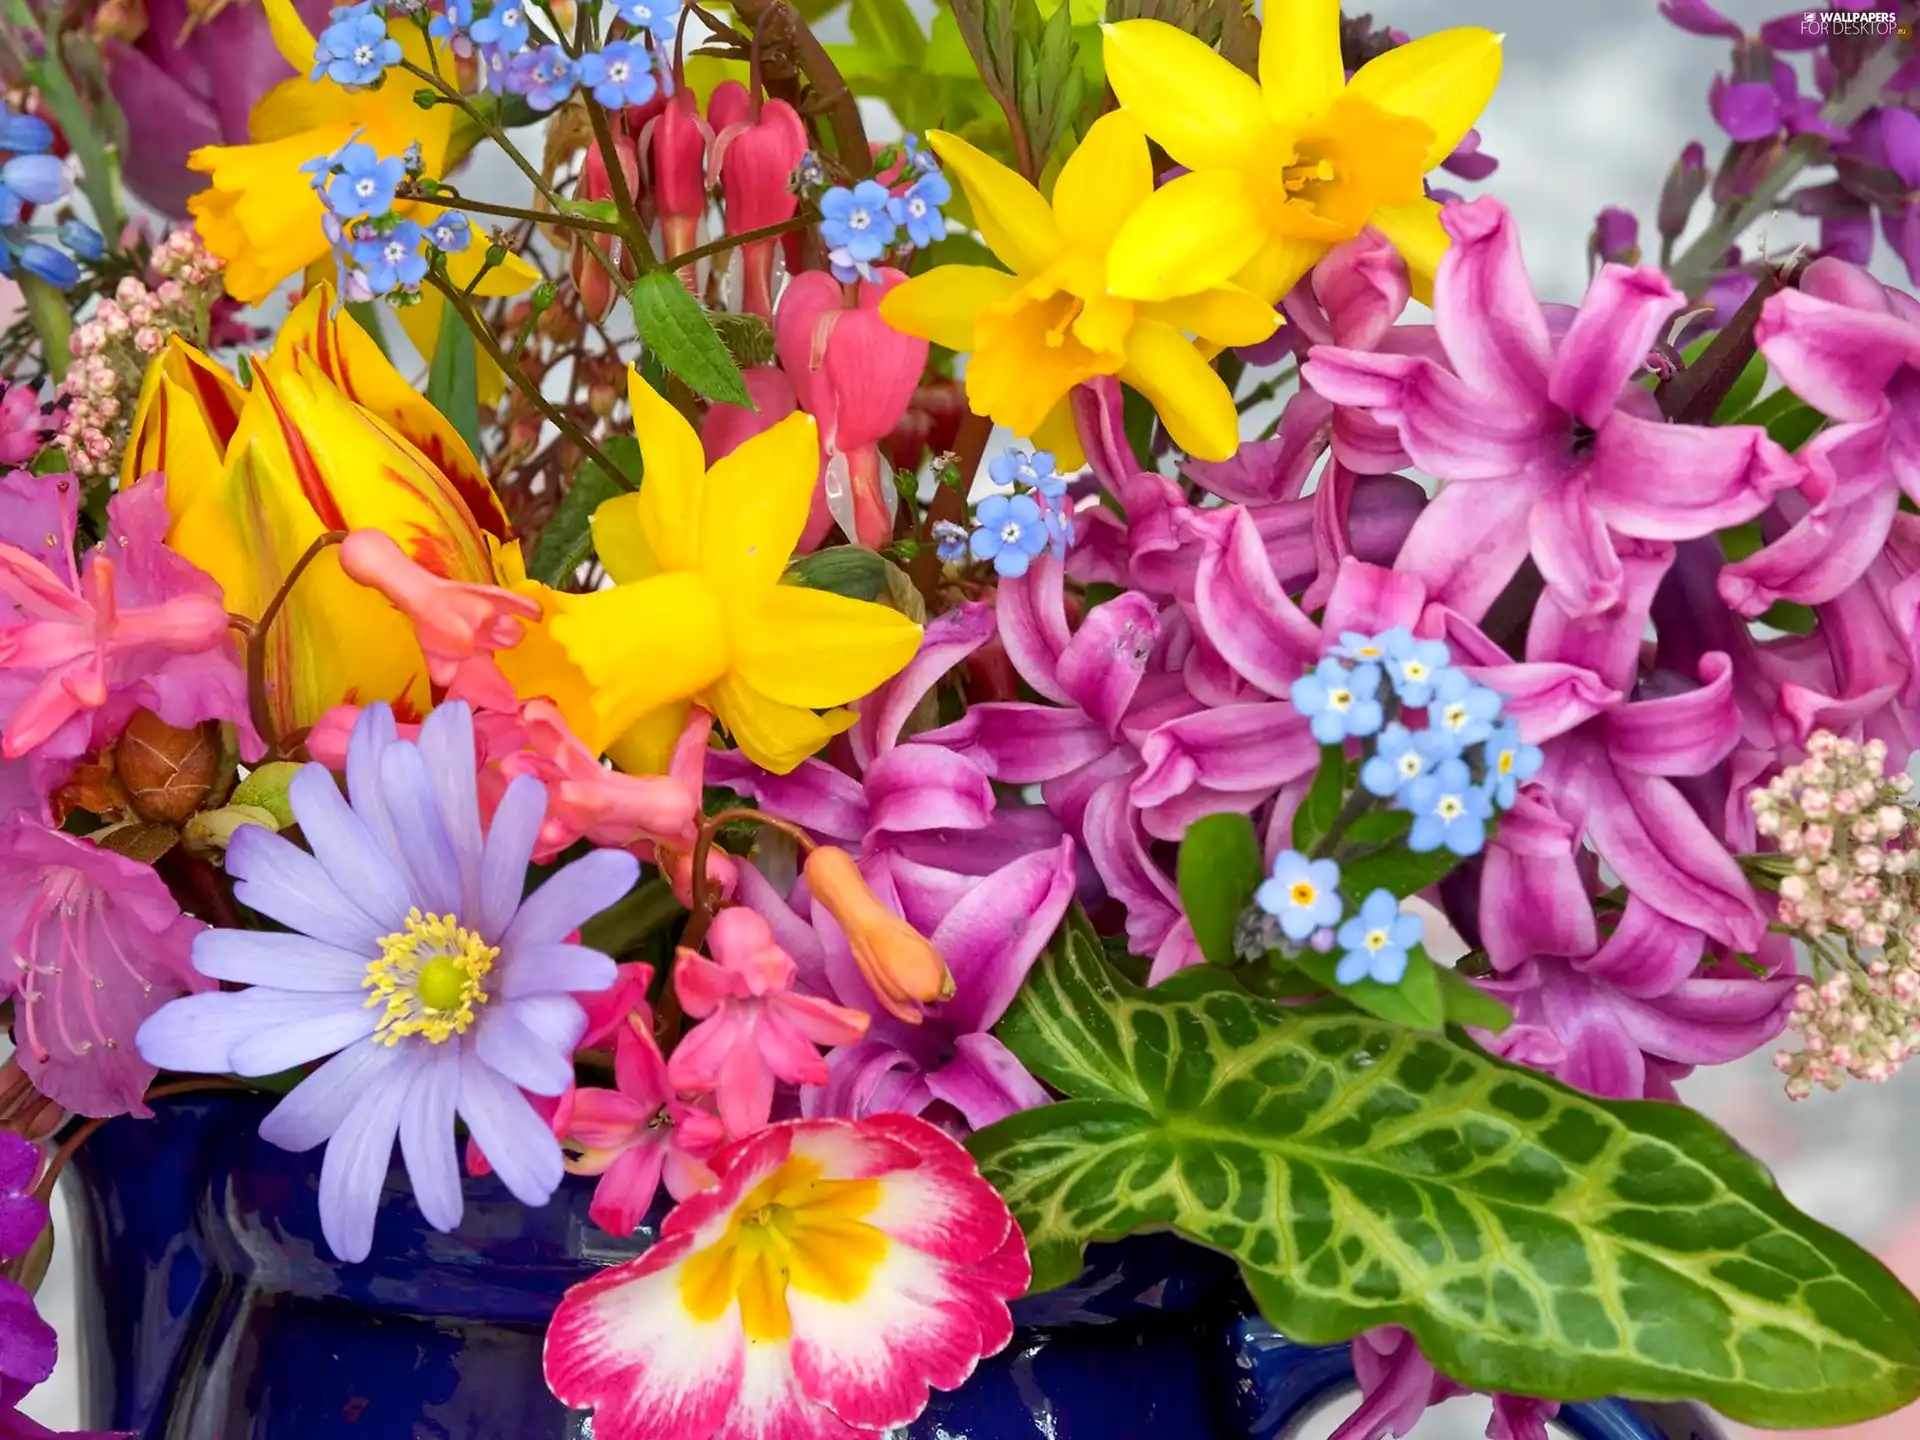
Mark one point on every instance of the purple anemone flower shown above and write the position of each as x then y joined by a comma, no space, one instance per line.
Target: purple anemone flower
411,959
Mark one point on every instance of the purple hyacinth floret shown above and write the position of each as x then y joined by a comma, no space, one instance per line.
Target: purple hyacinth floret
411,959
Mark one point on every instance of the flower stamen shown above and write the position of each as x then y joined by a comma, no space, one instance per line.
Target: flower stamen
428,977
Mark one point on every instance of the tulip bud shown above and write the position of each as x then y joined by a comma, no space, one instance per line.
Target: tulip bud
899,964
166,771
590,277
1685,184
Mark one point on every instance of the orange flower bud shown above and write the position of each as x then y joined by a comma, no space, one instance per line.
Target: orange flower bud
899,964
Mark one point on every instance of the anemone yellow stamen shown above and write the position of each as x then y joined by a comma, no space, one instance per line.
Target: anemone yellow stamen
429,977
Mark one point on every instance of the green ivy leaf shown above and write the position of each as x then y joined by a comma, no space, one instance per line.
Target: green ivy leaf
1414,1001
567,540
1532,1239
677,330
453,384
1220,867
1320,806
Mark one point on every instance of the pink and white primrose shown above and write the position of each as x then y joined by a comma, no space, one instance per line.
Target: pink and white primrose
839,1271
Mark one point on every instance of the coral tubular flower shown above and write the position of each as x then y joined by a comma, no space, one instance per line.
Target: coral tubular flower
1283,169
328,436
839,1271
1056,321
411,959
899,964
698,611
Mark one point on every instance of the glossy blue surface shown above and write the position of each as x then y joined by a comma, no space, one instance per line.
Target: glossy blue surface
211,1311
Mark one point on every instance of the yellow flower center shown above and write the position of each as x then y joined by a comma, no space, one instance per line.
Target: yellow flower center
1414,671
1505,763
794,1231
1378,940
1302,894
429,979
1340,699
1353,157
1454,716
1451,807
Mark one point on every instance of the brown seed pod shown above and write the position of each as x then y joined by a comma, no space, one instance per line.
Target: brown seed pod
166,771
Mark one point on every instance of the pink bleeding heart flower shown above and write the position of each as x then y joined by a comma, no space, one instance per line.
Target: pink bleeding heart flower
756,148
755,1029
676,147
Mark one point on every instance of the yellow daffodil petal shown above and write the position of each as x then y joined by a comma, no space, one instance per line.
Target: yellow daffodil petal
1224,315
1191,234
1279,266
291,37
1016,221
1060,437
1417,234
1205,113
621,542
259,214
814,649
540,668
1300,66
1106,177
776,737
1026,358
941,305
754,506
668,505
1192,401
646,746
643,645
509,277
1444,80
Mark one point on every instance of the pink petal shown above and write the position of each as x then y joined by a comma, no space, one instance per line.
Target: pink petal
1248,618
1573,551
926,787
985,1082
1605,640
1363,287
1263,471
1682,735
1469,541
991,938
947,640
1033,625
1115,846
1838,359
1623,314
1485,311
1255,747
1647,954
1101,666
1023,744
1099,414
1371,598
814,794
1532,899
1732,474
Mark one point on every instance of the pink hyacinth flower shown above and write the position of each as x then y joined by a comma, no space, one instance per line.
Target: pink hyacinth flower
754,1029
839,1272
97,944
459,626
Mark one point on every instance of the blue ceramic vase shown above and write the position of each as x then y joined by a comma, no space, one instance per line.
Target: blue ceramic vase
210,1310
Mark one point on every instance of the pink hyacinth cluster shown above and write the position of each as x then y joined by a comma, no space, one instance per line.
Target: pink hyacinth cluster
1853,893
111,350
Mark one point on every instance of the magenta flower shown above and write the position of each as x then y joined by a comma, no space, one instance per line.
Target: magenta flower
26,426
1398,1384
96,945
411,959
1546,448
134,626
755,1030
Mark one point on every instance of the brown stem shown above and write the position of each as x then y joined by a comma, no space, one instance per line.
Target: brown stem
262,632
705,903
824,76
634,228
745,237
566,219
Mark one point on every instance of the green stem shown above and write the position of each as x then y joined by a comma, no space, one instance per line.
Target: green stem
577,437
566,219
745,237
99,167
257,641
52,322
1358,803
1701,260
632,225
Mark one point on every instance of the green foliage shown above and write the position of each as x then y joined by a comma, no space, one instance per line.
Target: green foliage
676,330
1533,1239
453,384
1040,67
567,540
1785,417
1743,392
1320,806
850,570
1220,868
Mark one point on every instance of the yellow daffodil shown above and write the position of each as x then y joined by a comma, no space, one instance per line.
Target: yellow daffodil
1036,333
1283,169
697,611
327,436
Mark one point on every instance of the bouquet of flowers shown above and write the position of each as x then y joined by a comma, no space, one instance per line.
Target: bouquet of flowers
660,750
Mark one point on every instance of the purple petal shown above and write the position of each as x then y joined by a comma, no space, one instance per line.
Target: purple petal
285,883
373,733
1100,668
947,640
319,1104
991,938
869,1078
446,745
346,849
426,850
1256,747
555,970
1746,109
925,787
985,1082
1681,735
327,1023
282,961
1733,473
1115,846
531,1040
1247,617
426,1136
1032,615
1469,542
1710,1022
1022,744
509,848
354,1170
516,1141
1263,471
31,1344
1600,1057
1532,899
1647,954
815,795
1170,819
1624,313
571,896
1699,18
1485,311
1099,416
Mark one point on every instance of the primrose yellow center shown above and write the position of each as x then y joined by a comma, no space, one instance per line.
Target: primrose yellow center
1301,894
430,979
794,1231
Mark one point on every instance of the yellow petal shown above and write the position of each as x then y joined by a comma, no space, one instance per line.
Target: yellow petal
1016,221
1224,315
1192,401
940,305
621,542
1444,80
1191,234
421,321
646,746
540,668
188,410
667,510
509,277
1026,358
814,648
1204,113
1103,181
1417,234
755,505
1300,66
642,646
1060,437
291,37
774,736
